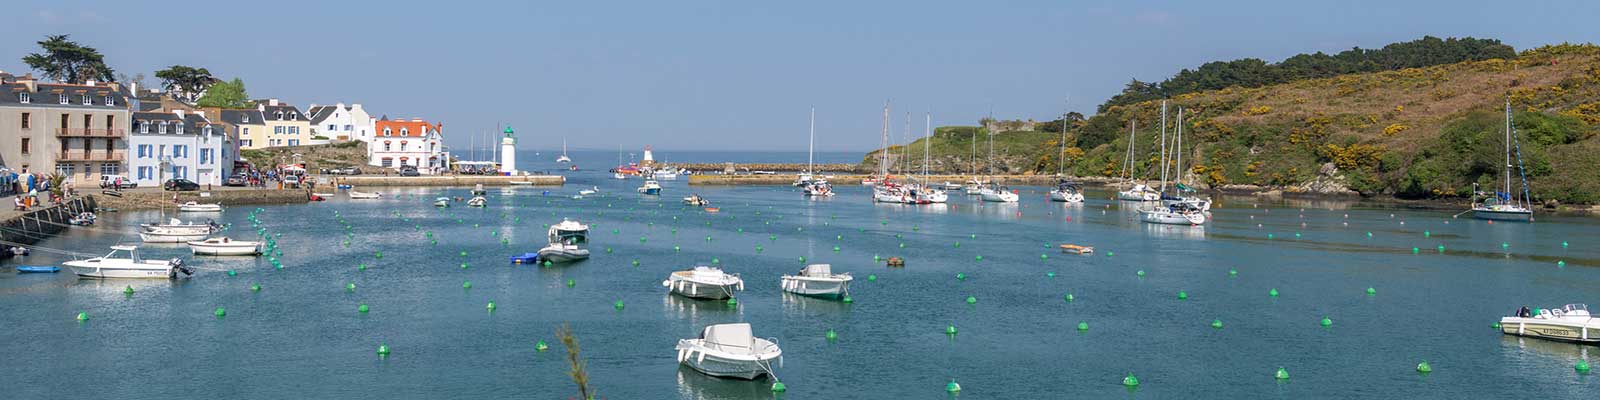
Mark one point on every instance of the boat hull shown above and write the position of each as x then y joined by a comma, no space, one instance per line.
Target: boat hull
202,249
1494,215
697,290
651,191
99,272
1545,329
171,237
563,255
1168,218
1065,197
816,287
725,368
998,197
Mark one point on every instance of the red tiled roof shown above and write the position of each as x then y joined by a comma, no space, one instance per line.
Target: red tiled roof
412,128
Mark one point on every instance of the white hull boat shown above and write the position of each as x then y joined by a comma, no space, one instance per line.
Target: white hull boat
696,200
618,176
562,253
1192,202
107,266
1502,212
477,201
1000,195
566,242
223,246
666,175
175,237
729,351
174,226
1571,323
818,280
1066,197
442,202
818,189
1176,215
704,282
650,188
197,207
1139,193
364,195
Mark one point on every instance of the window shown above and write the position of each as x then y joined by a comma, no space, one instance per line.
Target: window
111,101
405,131
332,127
244,143
25,120
277,130
27,146
386,132
293,116
87,118
144,151
65,169
385,146
110,169
207,130
111,123
178,127
294,142
63,98
246,131
161,152
348,128
162,128
84,99
244,118
24,98
205,156
180,151
146,173
143,126
388,162
403,145
278,114
294,130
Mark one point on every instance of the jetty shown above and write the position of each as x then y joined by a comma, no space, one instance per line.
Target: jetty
451,180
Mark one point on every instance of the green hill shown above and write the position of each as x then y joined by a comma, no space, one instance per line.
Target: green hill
1410,133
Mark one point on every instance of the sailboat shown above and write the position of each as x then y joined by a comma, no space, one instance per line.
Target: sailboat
991,192
1066,190
1178,213
974,185
1202,204
563,158
927,192
886,191
1504,205
1139,192
617,173
811,185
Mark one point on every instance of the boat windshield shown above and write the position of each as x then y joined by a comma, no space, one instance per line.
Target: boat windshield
1575,307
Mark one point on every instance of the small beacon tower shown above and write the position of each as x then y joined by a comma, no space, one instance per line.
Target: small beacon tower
508,153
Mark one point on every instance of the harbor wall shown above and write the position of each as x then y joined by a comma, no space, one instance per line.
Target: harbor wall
155,199
29,227
855,179
448,180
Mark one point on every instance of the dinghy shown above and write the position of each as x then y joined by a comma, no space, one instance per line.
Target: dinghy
729,351
222,246
704,282
818,280
1076,249
38,269
364,195
477,201
696,200
442,202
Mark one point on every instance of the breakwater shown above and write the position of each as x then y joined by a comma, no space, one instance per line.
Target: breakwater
154,199
774,167
451,180
855,179
29,227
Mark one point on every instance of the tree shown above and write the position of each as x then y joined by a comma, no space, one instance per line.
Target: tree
579,372
186,83
136,79
67,61
230,94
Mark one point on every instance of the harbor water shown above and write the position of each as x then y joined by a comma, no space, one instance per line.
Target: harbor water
1438,282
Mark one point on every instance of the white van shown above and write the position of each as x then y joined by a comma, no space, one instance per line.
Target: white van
112,182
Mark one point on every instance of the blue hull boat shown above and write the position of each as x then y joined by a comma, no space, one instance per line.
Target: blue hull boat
525,258
37,269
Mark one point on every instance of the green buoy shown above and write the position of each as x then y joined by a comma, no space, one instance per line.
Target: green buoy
1583,365
952,387
1273,292
1130,381
1424,367
733,301
777,387
1140,273
1183,295
1044,256
350,287
362,308
831,335
1371,291
83,316
978,258
383,350
1083,326
1069,297
1050,274
848,300
233,273
972,300
1326,322
1216,323
571,283
961,276
635,263
618,305
128,290
540,346
872,278
490,307
466,284
255,287
950,330
220,312
1281,374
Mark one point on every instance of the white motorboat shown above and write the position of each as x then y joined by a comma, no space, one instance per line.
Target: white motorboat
363,195
1570,323
951,186
222,246
322,195
731,351
1139,192
1067,191
997,194
1506,205
650,187
477,201
818,188
704,282
589,191
1176,214
566,242
197,207
618,176
696,200
110,266
175,226
818,280
665,174
441,202
171,237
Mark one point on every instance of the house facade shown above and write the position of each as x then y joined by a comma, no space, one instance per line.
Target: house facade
78,130
179,144
340,123
415,142
285,125
248,125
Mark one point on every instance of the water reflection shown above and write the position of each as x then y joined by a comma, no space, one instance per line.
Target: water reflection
695,385
794,304
1175,231
696,309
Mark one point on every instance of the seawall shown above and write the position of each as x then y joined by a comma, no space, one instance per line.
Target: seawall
449,180
154,199
29,227
855,179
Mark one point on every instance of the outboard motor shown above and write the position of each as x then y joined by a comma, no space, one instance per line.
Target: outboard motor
178,264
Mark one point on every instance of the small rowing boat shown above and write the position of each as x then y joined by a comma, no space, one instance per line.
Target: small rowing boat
1076,249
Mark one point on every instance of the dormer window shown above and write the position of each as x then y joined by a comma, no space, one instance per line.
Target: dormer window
84,99
177,128
405,131
63,98
111,101
387,132
162,128
245,118
144,126
293,117
278,114
24,98
207,130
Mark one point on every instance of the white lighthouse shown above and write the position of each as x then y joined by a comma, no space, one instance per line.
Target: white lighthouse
508,153
649,159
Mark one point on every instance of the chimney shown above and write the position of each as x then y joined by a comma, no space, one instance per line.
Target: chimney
179,113
91,82
272,102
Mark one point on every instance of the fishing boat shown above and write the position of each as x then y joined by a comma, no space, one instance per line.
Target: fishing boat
131,266
1066,191
1570,323
703,282
38,269
566,242
441,202
222,246
817,280
696,200
477,201
172,236
197,207
729,351
363,195
1076,249
563,158
1506,205
650,187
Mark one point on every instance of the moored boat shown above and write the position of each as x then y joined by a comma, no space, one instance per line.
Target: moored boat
110,266
1571,323
477,201
1067,191
441,202
566,242
1506,205
171,237
730,351
197,207
222,246
703,282
651,187
696,200
817,280
363,195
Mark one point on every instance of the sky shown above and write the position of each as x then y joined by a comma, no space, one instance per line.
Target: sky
735,75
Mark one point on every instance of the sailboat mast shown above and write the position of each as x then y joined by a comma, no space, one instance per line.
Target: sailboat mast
1133,131
1164,163
811,147
883,165
1508,148
927,143
906,152
1061,161
1179,151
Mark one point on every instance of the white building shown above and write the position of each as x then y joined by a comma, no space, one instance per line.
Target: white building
178,144
508,153
414,142
340,123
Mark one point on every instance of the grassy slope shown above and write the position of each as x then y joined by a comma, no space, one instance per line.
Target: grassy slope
1426,132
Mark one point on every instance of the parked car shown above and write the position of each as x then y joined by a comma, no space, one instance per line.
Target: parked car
236,180
409,171
179,184
111,182
349,171
291,180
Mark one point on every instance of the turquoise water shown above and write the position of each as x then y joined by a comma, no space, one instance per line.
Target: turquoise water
301,336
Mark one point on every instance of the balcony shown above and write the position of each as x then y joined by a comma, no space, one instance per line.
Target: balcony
91,156
89,132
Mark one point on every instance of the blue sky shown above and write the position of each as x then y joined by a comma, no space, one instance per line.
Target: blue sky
736,75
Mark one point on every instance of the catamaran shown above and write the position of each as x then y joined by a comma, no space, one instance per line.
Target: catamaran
1505,205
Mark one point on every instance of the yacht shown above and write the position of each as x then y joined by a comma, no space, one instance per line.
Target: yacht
111,266
818,188
729,351
1139,192
1506,205
1570,323
1175,214
1067,191
563,158
997,194
703,282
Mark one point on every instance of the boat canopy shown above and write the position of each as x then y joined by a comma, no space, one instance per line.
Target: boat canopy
817,270
732,338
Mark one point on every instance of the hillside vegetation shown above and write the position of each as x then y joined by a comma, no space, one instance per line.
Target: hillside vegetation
1409,133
